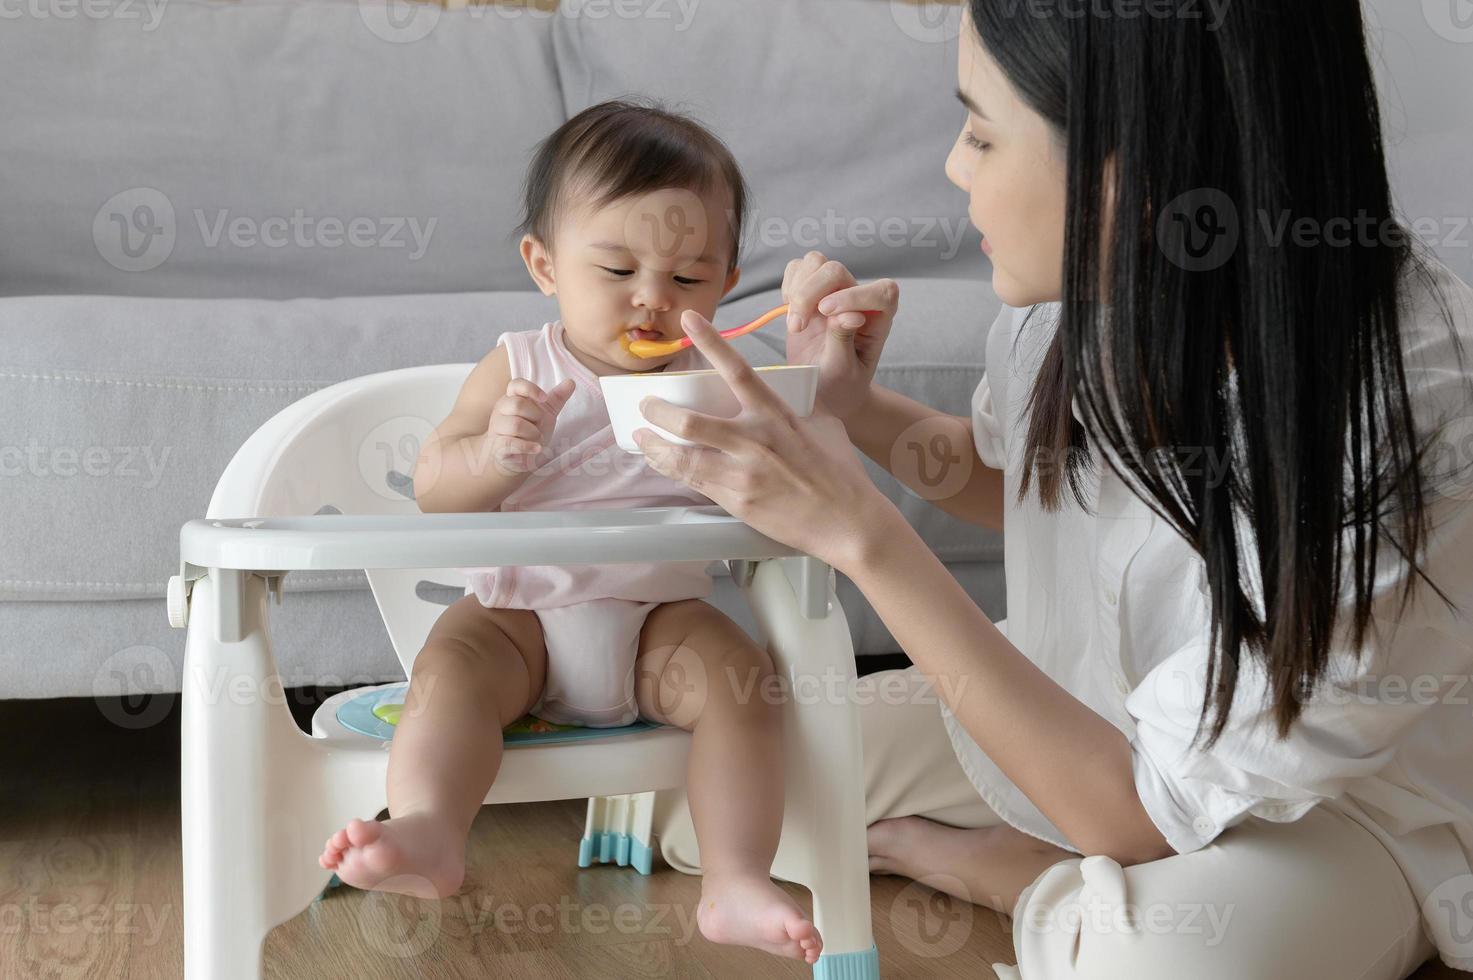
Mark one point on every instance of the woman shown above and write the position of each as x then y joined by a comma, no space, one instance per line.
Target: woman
1226,732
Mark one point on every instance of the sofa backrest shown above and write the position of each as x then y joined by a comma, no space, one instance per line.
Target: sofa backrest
278,149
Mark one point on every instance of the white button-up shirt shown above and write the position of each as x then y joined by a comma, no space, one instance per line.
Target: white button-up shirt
1112,604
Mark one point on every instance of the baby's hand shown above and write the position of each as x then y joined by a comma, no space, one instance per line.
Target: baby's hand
522,422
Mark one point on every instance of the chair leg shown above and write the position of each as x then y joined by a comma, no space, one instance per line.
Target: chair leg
618,829
823,842
259,796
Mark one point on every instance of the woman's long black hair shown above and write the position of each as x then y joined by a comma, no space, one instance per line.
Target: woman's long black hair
1183,339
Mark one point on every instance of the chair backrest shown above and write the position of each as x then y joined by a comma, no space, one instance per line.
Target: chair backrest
350,448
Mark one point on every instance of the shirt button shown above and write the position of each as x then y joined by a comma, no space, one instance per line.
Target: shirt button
1122,685
1111,597
1203,827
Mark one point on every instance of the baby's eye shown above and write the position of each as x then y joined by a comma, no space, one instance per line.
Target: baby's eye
617,272
686,281
974,142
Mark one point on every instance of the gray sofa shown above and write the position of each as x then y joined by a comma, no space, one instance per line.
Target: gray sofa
211,209
179,259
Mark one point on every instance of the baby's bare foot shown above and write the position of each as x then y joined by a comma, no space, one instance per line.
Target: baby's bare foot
754,911
413,855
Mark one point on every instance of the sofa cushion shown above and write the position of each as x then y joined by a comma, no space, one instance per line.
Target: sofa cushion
118,452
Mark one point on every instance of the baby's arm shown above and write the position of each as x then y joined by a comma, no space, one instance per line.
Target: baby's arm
490,442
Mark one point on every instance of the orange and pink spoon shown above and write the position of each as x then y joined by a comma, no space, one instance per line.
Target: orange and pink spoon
659,348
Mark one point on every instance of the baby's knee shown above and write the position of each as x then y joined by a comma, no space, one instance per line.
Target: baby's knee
465,654
740,675
490,646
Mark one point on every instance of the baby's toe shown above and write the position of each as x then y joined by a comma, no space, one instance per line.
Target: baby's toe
807,937
361,833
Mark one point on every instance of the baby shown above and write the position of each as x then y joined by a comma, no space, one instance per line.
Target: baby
632,215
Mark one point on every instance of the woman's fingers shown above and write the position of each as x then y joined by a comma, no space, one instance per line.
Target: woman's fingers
708,430
696,466
749,389
813,279
798,270
882,295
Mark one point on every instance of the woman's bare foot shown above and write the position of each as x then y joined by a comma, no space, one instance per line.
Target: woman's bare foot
893,845
413,855
986,865
753,911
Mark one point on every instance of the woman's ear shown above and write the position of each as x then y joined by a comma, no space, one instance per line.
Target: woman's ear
538,259
731,280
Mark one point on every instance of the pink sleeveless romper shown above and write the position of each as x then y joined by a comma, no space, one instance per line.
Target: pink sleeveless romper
591,615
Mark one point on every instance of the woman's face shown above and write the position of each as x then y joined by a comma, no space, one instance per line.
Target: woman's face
1010,163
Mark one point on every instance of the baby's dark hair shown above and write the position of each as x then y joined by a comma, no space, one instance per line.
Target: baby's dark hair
622,147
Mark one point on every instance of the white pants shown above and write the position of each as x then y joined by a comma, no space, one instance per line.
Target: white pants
1320,897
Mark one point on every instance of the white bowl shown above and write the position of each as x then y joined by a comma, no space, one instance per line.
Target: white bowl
701,391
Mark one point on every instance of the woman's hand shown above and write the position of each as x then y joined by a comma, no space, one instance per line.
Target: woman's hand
797,480
839,325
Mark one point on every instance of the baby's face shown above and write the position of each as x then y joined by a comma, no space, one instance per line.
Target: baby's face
628,270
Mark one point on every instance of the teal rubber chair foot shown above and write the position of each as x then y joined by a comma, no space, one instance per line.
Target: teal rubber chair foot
333,882
621,849
864,965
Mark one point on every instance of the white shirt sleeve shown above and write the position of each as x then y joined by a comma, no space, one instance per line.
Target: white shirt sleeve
990,399
987,427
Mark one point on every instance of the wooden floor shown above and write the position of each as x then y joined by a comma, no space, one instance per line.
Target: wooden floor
90,885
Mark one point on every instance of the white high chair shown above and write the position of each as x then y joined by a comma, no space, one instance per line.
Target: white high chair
325,484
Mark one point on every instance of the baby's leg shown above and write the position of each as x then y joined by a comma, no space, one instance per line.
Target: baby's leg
480,670
700,671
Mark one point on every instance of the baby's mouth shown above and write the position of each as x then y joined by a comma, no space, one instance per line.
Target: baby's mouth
640,333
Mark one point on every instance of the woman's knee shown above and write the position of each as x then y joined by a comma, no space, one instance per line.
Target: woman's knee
1079,919
1316,897
910,766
